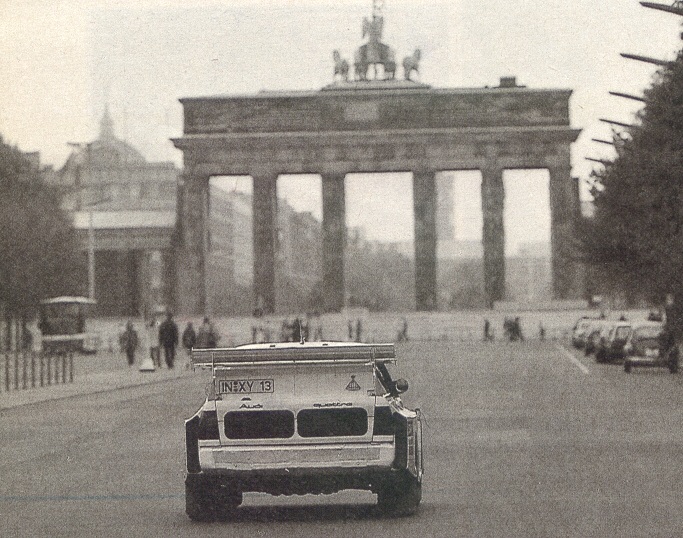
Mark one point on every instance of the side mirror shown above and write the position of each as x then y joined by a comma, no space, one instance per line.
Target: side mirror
401,385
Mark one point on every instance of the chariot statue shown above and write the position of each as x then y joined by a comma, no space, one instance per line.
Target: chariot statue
374,52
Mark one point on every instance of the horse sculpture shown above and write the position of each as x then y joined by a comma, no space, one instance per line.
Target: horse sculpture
412,63
341,67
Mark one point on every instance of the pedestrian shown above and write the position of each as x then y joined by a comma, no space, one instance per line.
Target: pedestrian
359,330
487,330
297,330
208,338
189,339
403,333
168,339
507,328
350,331
130,342
318,333
153,341
541,331
517,324
26,337
122,339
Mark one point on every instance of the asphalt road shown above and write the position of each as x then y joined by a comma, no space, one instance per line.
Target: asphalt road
521,440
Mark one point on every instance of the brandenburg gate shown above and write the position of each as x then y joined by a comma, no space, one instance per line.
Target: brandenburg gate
375,126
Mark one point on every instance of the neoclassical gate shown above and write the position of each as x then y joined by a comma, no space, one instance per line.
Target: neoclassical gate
375,126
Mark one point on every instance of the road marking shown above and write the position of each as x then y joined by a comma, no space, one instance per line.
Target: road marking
572,358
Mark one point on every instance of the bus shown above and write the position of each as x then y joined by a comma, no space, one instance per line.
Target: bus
62,323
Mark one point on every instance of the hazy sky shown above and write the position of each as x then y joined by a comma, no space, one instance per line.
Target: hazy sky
63,59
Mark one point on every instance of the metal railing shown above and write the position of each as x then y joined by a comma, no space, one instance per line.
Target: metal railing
21,370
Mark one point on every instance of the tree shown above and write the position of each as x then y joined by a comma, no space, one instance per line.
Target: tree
637,235
37,241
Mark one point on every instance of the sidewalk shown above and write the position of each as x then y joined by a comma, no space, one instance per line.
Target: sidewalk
92,383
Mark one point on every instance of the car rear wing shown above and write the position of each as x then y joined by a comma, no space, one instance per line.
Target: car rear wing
292,355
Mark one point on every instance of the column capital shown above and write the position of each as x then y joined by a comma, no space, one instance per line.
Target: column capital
491,169
264,174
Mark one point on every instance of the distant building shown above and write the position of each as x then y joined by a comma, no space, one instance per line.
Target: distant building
124,209
529,273
230,255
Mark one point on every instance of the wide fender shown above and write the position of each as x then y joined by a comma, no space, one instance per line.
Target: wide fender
408,442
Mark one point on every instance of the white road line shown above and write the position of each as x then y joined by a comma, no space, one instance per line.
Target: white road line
572,358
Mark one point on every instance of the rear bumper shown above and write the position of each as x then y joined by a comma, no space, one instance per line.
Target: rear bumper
299,470
302,481
295,458
648,362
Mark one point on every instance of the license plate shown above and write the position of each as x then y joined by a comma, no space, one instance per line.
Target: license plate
652,353
245,386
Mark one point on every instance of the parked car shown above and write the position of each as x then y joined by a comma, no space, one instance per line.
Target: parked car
644,348
593,334
612,341
308,418
580,331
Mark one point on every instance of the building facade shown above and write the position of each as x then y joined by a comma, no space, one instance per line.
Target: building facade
123,208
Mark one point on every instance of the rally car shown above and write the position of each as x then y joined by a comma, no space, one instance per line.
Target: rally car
301,418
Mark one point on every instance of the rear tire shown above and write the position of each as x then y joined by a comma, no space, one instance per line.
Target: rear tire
400,498
226,501
208,500
199,505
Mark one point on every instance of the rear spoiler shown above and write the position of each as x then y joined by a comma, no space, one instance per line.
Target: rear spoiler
273,355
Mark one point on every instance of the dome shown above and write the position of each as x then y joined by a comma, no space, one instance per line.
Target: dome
108,150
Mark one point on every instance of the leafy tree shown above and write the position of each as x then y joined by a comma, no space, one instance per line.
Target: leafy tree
637,235
37,241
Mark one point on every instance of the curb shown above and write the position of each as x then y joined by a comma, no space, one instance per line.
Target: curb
101,390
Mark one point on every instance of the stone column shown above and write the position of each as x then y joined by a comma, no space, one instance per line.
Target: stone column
334,241
190,259
264,214
493,236
424,204
564,208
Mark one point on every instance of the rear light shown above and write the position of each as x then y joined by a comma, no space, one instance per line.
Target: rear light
384,421
208,425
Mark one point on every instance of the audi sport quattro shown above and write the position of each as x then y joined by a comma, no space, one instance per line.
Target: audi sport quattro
301,418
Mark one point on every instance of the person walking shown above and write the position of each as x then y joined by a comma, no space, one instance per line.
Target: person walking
206,335
130,342
168,339
189,340
152,330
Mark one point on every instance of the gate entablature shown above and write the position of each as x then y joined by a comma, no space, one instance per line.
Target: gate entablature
391,106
